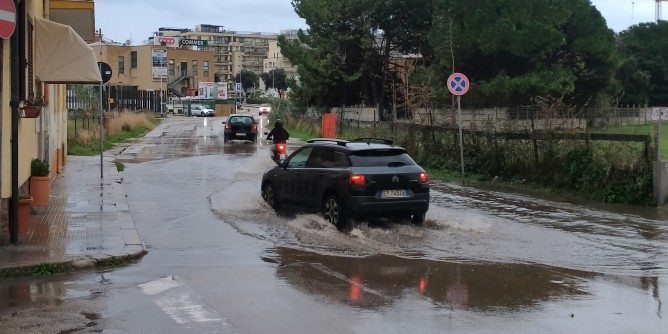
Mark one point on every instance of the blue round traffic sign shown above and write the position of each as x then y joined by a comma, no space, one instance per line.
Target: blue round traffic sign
458,84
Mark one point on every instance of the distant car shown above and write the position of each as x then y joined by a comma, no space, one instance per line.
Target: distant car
265,109
201,111
240,127
365,177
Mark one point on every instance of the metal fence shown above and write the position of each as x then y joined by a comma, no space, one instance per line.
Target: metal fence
119,98
518,119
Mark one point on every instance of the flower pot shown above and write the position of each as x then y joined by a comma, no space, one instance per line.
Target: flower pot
24,214
40,189
31,111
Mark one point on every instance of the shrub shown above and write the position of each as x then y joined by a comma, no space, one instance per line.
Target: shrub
39,167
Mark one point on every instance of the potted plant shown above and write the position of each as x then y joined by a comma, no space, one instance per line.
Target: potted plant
32,106
40,182
25,202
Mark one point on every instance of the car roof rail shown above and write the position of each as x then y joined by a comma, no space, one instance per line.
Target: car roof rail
370,140
339,142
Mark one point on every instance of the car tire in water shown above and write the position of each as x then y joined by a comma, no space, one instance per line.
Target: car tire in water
333,212
225,139
269,195
418,218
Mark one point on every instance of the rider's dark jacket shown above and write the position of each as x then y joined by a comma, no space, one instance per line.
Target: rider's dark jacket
278,135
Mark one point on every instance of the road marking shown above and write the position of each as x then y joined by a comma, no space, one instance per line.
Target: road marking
178,301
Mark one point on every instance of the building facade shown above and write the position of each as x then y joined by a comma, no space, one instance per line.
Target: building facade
233,50
52,54
157,67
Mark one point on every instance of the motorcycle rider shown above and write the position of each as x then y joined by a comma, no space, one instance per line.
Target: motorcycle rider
279,135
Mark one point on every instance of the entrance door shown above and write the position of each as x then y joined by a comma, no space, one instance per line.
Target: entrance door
184,68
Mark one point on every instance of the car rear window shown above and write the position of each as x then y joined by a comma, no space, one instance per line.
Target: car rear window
381,158
241,120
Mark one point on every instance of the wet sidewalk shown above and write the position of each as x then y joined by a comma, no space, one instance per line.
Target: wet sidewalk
87,220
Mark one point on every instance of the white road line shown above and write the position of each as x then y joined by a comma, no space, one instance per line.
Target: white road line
178,301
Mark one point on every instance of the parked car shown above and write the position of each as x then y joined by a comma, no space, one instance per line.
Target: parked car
265,109
361,178
201,111
240,127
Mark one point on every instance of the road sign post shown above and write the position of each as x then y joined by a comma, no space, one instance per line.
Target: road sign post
458,84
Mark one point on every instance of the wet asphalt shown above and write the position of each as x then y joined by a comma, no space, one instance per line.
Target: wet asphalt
221,261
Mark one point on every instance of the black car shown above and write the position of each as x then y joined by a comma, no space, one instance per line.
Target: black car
240,127
365,177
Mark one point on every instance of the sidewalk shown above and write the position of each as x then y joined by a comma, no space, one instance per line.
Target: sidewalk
87,220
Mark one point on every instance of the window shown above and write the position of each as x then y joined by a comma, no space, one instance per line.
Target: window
121,65
195,68
133,59
299,159
205,68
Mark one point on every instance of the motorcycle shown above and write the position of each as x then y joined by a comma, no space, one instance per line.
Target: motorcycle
278,151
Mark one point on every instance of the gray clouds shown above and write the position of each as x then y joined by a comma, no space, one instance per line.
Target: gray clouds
138,19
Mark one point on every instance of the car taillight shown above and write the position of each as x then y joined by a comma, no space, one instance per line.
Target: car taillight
280,148
228,126
357,180
424,177
253,127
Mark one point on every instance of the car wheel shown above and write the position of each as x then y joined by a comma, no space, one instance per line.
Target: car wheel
333,212
225,139
269,195
418,218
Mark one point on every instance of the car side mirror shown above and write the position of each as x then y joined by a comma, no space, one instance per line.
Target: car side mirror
224,122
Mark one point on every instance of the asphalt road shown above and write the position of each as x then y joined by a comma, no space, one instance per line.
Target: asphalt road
221,261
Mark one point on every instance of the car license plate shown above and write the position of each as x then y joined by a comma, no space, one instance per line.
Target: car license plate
397,193
240,134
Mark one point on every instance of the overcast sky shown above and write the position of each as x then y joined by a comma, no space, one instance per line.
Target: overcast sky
136,20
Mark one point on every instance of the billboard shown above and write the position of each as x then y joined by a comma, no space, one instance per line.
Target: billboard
159,64
212,90
205,90
172,42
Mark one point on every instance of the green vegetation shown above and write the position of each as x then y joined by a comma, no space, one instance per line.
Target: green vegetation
120,128
43,269
644,129
39,167
119,165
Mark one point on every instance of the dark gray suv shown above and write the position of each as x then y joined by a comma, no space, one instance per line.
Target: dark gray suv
366,177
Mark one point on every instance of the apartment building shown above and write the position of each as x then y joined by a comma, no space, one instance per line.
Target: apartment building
233,50
275,60
157,67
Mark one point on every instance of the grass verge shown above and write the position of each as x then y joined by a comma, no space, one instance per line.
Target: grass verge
84,138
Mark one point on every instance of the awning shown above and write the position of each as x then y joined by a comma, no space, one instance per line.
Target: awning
61,56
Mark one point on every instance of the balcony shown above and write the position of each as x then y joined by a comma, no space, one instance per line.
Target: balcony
79,14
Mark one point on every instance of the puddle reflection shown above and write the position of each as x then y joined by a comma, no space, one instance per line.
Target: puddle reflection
377,281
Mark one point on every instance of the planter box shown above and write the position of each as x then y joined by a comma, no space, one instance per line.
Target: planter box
40,189
24,215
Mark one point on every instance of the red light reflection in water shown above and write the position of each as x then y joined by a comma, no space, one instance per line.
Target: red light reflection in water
423,284
355,291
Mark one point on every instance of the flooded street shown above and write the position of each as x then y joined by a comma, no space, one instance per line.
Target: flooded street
222,261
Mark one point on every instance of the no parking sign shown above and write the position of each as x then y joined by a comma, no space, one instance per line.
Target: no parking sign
458,84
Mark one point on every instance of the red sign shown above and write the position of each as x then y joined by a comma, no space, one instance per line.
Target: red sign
171,42
7,18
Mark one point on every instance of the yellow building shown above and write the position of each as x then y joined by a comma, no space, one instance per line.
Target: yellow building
154,67
51,54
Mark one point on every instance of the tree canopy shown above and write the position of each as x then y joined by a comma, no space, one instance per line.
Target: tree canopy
276,78
512,51
249,79
644,75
